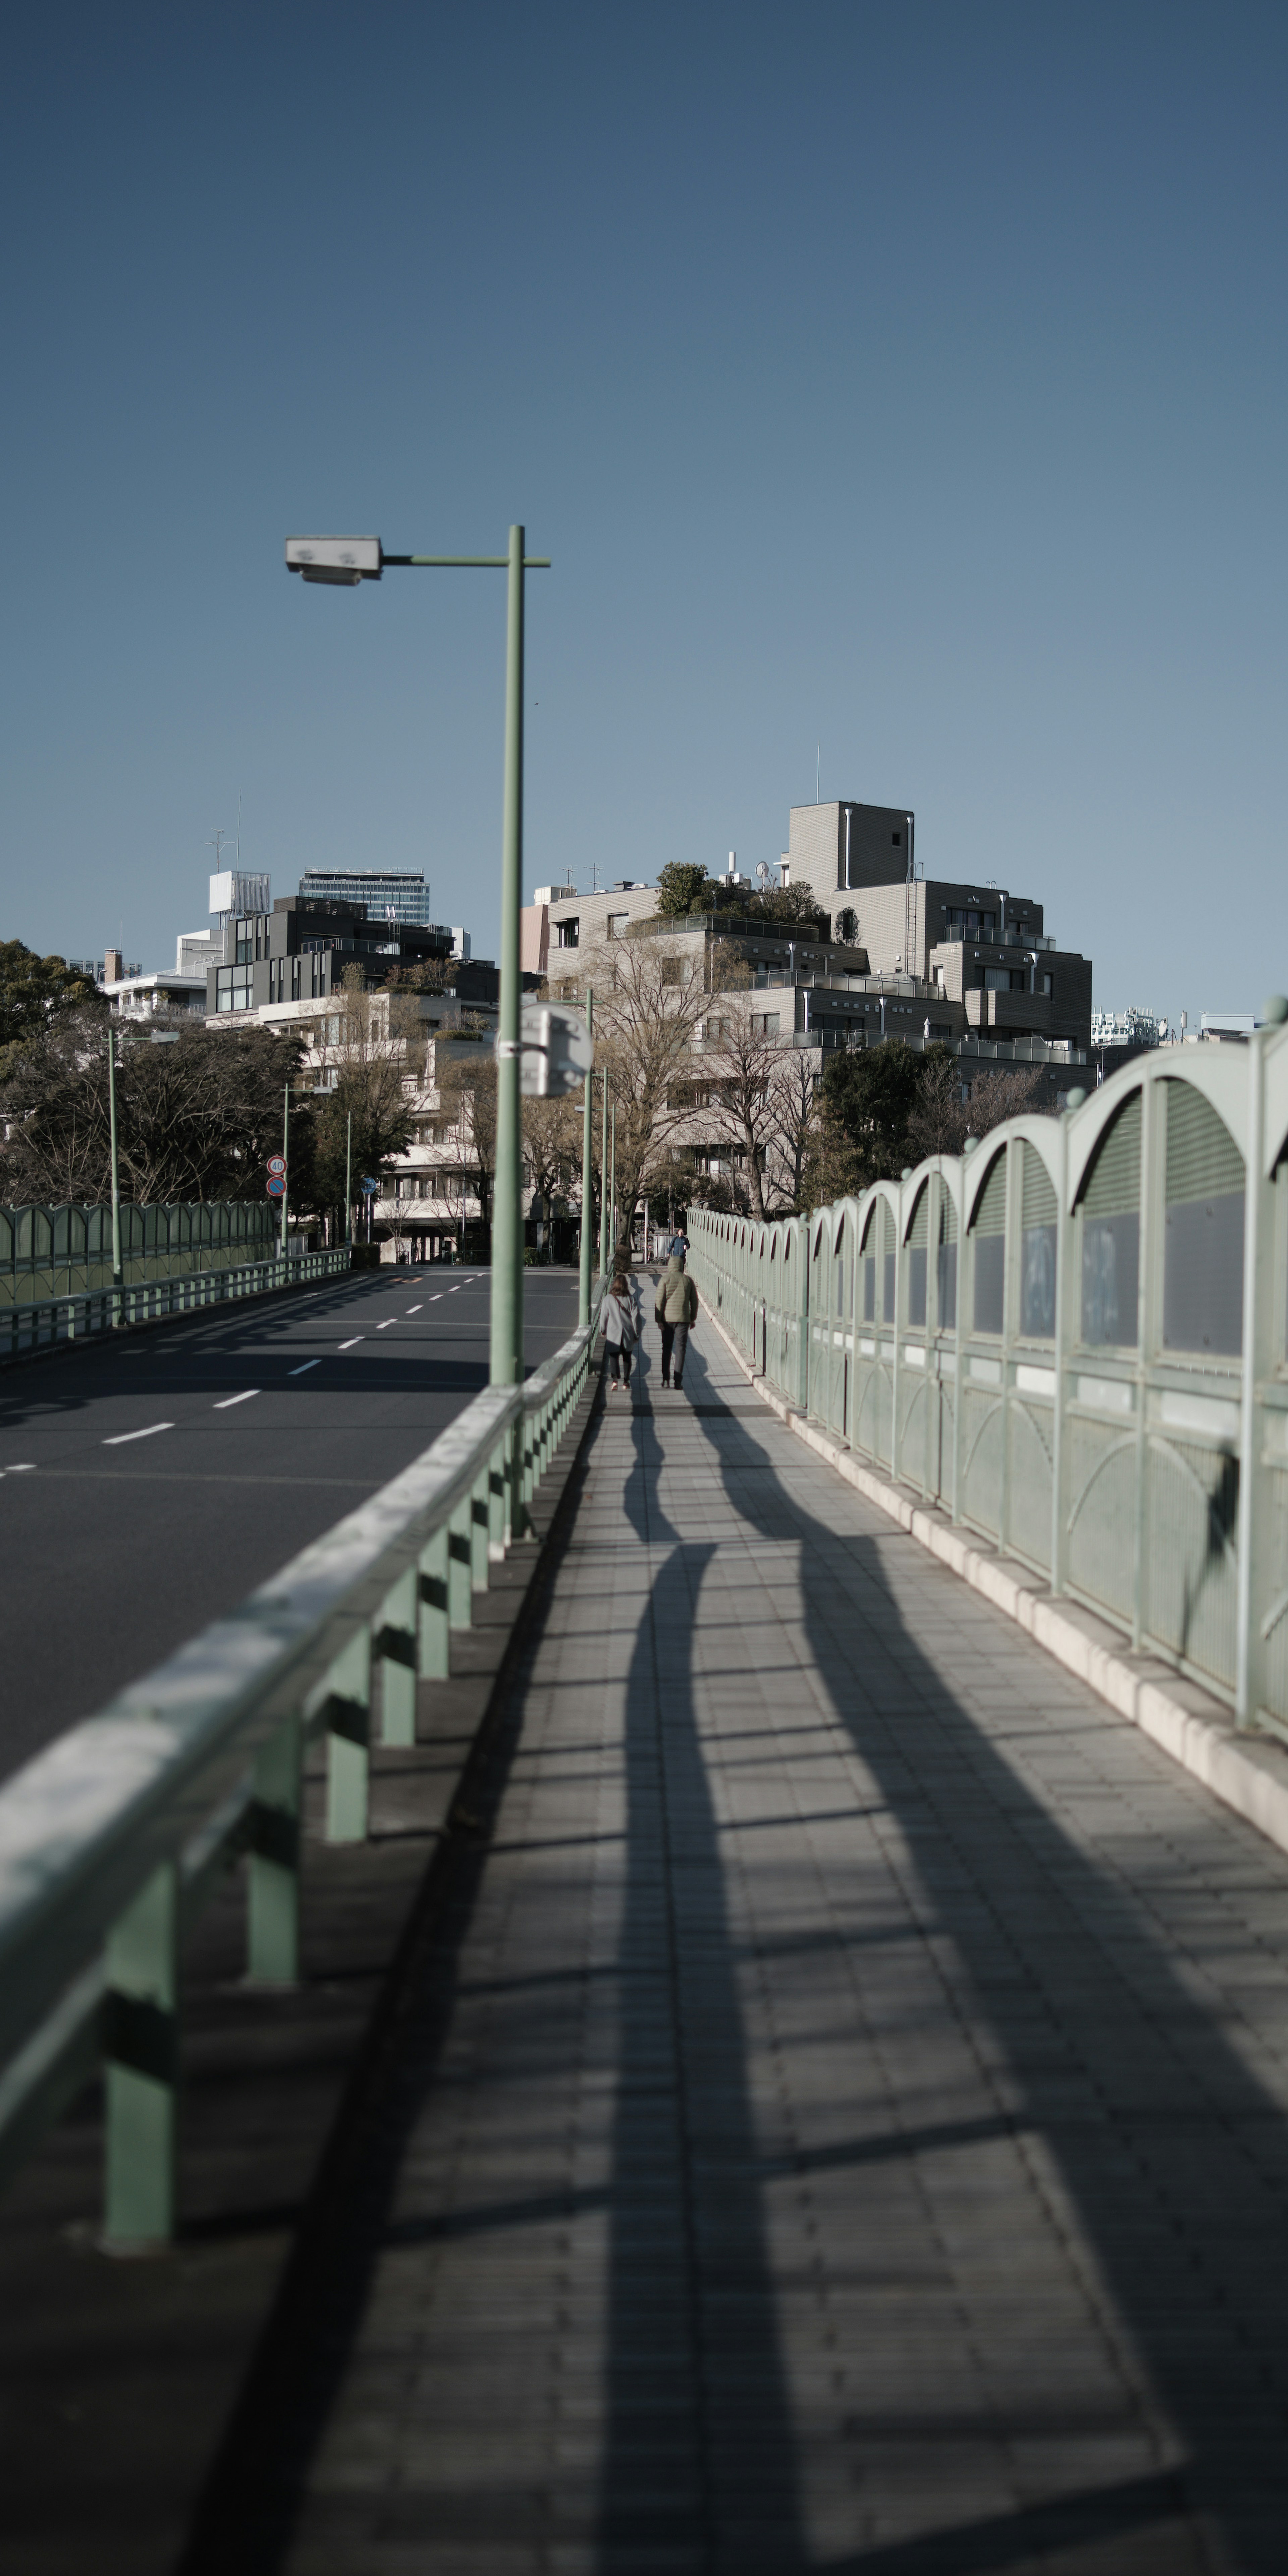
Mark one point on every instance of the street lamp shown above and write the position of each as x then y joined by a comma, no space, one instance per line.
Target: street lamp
343,562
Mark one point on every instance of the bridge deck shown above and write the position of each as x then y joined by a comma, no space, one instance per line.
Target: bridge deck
842,2124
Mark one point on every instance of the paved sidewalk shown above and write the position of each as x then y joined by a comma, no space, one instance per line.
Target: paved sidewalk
843,2124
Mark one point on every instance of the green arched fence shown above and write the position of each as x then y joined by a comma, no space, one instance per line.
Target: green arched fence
1074,1339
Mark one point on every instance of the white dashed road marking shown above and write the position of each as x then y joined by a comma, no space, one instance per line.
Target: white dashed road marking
226,1400
119,1438
413,1310
304,1364
349,1346
389,1319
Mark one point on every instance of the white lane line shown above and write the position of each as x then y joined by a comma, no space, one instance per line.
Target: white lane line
226,1400
304,1364
389,1319
20,1467
349,1346
119,1438
413,1310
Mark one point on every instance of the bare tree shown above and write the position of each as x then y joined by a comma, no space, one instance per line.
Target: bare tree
792,1112
941,1121
650,997
552,1143
375,1047
196,1118
741,1067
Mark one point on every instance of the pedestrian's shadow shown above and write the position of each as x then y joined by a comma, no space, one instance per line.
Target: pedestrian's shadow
1173,2156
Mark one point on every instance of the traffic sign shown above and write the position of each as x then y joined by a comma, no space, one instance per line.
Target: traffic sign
372,1188
556,1051
277,1162
277,1185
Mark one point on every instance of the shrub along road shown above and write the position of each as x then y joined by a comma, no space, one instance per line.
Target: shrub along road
148,1484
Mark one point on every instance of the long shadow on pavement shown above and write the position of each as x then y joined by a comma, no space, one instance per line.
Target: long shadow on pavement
1174,2156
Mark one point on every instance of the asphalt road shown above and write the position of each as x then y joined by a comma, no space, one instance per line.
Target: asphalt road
149,1484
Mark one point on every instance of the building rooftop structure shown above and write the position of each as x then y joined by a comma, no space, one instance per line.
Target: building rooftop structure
390,894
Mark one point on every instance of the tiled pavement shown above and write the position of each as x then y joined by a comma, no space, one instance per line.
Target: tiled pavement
845,2127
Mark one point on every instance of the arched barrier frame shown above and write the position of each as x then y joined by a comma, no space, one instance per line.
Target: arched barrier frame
1071,1384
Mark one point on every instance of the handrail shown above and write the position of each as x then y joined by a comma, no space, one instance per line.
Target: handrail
109,1838
39,1323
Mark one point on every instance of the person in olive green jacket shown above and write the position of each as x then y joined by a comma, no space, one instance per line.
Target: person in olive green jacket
675,1308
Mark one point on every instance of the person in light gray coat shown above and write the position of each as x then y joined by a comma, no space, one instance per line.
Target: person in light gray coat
620,1330
675,1308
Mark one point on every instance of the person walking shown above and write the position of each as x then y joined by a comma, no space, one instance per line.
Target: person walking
620,1330
675,1308
679,1246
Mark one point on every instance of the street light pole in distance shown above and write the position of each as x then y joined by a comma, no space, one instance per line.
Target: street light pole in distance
343,562
587,1171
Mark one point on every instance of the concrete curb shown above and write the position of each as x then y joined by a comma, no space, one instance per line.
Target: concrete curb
1247,1772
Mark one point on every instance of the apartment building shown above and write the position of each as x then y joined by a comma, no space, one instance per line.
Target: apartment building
982,949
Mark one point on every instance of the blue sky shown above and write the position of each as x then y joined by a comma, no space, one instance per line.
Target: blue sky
907,381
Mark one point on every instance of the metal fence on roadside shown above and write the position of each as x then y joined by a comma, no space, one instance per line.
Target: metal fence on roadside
1073,1338
111,1840
34,1326
48,1250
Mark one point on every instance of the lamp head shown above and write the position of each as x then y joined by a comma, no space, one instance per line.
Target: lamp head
343,561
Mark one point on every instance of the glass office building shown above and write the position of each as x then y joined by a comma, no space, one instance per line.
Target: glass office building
387,894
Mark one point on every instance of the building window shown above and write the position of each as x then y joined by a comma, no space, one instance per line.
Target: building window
567,934
617,924
764,1024
234,988
896,840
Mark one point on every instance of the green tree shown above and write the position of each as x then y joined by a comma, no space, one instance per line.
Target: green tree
196,1119
36,990
681,887
867,1099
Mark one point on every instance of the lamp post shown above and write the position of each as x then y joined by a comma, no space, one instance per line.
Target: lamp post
343,562
603,1184
348,1182
612,1194
116,1170
587,1170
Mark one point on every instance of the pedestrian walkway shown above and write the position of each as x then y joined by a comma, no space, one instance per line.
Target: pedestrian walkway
844,2124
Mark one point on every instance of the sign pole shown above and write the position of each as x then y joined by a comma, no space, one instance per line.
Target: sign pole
587,1170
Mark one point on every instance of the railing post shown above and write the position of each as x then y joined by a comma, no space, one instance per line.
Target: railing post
347,1717
273,1893
395,1643
496,1504
435,1624
460,1565
141,2058
480,1531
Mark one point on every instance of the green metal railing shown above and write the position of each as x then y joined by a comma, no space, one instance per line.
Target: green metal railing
1075,1339
111,1839
47,1249
35,1326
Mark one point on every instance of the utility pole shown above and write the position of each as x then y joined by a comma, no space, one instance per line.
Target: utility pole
116,1166
348,1183
587,1169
